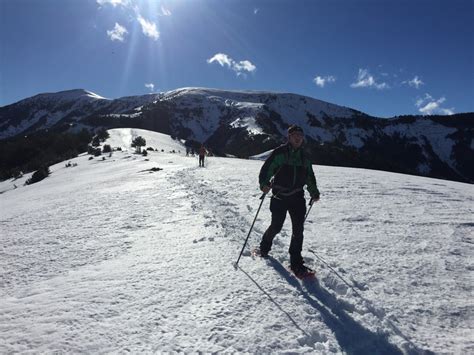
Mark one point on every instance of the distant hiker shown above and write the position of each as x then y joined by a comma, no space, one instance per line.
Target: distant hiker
290,170
202,154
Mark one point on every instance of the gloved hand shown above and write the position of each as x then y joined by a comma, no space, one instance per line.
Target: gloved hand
265,189
314,198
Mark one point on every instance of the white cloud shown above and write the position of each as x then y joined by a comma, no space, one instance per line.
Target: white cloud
415,82
113,2
118,33
428,105
366,80
321,81
222,59
165,11
255,11
239,67
148,28
150,86
244,65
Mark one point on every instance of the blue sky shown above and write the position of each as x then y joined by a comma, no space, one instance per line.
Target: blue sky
385,58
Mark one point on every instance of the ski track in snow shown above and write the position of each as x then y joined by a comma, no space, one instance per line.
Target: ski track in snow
108,257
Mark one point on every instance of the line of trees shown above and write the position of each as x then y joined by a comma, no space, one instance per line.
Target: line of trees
39,150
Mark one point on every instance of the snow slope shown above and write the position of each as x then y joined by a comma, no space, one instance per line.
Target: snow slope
123,137
108,256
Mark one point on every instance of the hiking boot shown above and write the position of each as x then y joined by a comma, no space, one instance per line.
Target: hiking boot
260,253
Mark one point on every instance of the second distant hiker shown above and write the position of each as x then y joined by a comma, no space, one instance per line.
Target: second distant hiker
202,154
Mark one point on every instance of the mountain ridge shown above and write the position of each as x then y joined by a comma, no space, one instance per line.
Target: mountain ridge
247,123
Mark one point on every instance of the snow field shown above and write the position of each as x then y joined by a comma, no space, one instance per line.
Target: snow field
109,257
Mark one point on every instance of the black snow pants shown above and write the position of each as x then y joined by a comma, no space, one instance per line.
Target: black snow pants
201,160
296,206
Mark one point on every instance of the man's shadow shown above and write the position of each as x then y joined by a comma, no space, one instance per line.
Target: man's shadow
352,337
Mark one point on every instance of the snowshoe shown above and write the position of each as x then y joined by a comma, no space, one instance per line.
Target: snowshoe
257,253
302,272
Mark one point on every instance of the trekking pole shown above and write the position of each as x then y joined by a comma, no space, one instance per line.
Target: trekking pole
236,265
307,213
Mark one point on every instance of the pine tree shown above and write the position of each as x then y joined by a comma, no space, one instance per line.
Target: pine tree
138,142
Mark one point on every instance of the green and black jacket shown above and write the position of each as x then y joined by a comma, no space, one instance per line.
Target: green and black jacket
291,171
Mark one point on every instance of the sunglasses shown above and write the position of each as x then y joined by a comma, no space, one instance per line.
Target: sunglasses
297,134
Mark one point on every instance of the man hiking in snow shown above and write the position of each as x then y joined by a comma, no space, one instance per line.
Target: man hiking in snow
202,154
290,170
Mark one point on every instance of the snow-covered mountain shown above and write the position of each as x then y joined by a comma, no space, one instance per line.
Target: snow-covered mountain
112,255
248,123
50,110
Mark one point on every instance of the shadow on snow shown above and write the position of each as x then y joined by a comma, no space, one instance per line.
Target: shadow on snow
352,337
